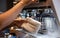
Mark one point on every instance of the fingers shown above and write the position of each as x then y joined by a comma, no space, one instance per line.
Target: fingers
27,2
29,27
32,26
32,21
34,0
19,19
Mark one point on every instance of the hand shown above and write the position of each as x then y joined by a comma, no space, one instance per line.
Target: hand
29,27
33,22
20,22
28,24
27,2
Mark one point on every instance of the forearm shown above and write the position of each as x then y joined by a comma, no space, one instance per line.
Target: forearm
8,17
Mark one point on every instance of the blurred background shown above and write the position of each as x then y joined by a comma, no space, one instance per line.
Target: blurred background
42,11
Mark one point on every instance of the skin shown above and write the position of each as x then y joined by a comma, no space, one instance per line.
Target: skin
8,17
